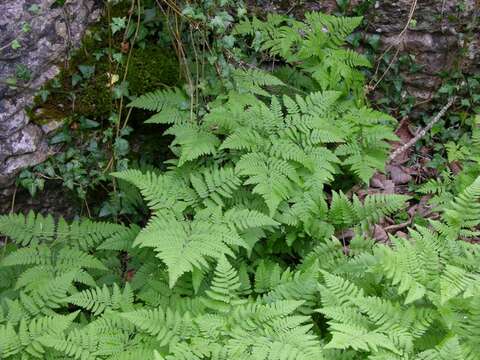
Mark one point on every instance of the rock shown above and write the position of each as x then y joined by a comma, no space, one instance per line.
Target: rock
51,126
44,34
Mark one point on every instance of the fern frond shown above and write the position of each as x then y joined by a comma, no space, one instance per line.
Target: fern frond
339,291
252,81
215,184
360,339
464,210
273,178
98,300
246,219
185,245
165,325
26,230
171,106
223,292
193,141
35,255
162,192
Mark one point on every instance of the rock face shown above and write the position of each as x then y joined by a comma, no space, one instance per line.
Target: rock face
439,30
35,37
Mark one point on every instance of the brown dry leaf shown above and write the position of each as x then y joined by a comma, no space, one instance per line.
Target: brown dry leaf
399,174
423,208
388,187
345,235
405,135
456,167
379,234
377,180
412,210
380,184
403,131
125,47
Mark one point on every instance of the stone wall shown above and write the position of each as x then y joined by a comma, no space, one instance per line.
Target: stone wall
36,37
442,28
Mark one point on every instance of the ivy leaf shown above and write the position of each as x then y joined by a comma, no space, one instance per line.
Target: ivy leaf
34,9
60,138
118,57
88,124
87,71
120,90
118,24
26,28
16,44
121,147
76,78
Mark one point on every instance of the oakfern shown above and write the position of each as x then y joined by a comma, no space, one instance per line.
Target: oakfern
239,258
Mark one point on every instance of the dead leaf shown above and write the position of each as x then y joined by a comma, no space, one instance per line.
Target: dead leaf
380,234
377,180
125,47
456,167
405,134
399,174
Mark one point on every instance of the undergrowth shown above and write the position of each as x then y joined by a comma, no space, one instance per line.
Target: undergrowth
241,256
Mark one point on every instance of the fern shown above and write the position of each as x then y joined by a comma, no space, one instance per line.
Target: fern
26,230
185,245
171,106
238,256
98,300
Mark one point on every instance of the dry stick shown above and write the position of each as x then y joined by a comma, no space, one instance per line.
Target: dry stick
422,132
396,43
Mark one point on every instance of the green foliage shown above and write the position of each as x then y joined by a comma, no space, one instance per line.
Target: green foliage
448,185
238,258
87,97
416,299
315,45
415,305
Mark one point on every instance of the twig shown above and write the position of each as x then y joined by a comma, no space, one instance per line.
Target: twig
422,132
88,209
395,227
12,207
396,43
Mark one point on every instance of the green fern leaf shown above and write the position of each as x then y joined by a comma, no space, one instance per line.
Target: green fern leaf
185,245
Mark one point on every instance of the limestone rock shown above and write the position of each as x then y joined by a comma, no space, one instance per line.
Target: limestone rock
35,35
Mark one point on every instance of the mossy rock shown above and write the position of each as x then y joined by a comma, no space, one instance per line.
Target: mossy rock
150,68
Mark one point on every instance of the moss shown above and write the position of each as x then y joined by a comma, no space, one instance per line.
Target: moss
91,99
47,113
152,68
149,69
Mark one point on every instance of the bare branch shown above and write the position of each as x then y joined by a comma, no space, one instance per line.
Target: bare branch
422,132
